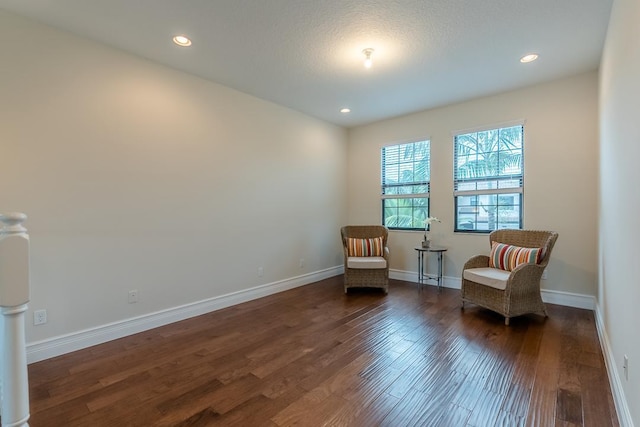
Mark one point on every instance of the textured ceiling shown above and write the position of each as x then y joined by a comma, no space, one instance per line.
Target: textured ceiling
306,54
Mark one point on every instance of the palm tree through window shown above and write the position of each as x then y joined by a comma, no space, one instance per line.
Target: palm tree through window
488,179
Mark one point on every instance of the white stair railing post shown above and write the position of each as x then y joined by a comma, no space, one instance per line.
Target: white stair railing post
14,296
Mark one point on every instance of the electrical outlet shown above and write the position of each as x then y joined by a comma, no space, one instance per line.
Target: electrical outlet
301,264
544,274
40,317
260,271
625,367
133,296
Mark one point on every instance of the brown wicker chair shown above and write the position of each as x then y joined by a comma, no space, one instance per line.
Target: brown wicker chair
363,277
522,292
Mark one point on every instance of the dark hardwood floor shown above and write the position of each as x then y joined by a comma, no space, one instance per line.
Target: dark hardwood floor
313,356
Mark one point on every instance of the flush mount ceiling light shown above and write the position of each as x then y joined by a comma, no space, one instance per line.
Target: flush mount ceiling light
345,110
367,57
529,58
181,40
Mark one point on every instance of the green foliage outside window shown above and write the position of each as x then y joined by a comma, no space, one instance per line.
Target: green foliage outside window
405,185
488,179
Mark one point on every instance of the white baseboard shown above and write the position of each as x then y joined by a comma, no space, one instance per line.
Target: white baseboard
45,349
41,350
619,398
568,299
549,296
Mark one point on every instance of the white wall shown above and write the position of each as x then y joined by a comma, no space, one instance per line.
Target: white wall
137,176
561,137
619,284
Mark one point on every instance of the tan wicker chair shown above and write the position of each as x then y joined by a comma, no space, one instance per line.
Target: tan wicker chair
377,277
522,292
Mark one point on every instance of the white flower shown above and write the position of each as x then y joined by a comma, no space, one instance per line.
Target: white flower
429,220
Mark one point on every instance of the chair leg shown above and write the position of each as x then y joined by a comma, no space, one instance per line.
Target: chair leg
506,321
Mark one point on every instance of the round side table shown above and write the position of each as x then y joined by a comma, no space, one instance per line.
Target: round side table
423,276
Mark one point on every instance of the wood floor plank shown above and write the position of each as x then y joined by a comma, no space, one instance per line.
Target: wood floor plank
315,356
516,400
453,416
377,411
203,418
594,381
439,401
542,406
312,409
361,396
406,410
486,410
341,384
468,394
507,419
569,406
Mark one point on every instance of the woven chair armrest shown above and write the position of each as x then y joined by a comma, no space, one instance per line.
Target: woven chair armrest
477,261
526,275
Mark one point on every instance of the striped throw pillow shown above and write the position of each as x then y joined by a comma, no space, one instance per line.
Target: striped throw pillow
508,257
364,247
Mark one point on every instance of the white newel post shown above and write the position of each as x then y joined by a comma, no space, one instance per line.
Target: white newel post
14,296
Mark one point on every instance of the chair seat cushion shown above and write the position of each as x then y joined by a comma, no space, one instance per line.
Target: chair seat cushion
488,276
367,262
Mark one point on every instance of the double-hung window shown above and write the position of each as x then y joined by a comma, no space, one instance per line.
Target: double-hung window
488,179
406,173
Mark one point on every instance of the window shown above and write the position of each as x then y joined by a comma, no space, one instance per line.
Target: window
406,172
488,179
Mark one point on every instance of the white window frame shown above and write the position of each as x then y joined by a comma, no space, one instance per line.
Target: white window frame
501,183
398,190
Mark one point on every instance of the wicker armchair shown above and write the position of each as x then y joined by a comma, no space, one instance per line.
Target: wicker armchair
520,293
365,272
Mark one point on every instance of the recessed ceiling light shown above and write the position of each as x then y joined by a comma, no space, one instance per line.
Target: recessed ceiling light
529,58
345,110
182,40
